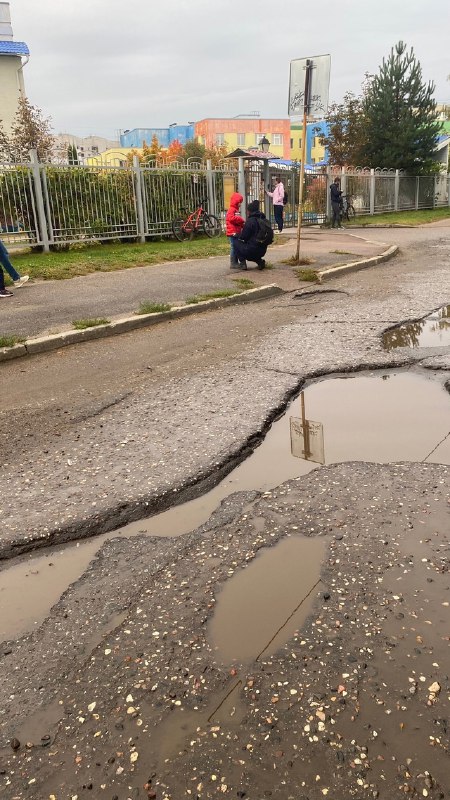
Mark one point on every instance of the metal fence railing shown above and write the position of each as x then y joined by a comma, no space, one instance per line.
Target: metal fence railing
54,204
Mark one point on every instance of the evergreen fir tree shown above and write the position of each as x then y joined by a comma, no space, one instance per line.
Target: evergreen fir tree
72,155
400,115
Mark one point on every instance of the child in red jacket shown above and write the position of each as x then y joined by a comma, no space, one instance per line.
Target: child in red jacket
234,225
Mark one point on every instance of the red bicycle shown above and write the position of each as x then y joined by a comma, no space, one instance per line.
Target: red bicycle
198,221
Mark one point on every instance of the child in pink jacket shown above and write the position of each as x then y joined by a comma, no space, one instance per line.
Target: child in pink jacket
234,224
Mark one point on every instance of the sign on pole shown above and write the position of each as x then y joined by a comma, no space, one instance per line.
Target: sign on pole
307,440
319,87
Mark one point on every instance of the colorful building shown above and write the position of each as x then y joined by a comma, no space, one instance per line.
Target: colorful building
165,136
245,133
315,151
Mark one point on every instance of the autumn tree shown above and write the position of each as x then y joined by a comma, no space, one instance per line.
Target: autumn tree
30,131
193,149
216,153
346,136
174,152
400,116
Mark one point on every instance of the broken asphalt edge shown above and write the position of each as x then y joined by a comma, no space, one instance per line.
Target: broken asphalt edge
354,266
44,344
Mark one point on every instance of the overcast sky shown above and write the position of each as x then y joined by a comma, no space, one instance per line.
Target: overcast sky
99,66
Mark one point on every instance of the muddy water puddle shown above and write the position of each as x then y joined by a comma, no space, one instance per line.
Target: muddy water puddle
382,417
432,331
261,606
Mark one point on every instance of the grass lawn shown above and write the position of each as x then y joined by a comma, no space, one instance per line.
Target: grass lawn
402,217
109,257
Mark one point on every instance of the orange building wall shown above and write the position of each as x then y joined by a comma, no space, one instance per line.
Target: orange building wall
208,128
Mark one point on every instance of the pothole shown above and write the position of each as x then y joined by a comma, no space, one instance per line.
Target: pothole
383,417
262,605
431,331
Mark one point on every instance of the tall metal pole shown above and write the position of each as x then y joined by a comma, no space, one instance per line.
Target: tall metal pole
308,70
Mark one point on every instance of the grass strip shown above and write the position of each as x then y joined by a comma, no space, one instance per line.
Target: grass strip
111,257
153,308
82,324
306,275
422,217
10,341
199,298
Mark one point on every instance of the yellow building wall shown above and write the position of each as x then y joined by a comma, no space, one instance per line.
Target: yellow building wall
296,142
115,157
317,151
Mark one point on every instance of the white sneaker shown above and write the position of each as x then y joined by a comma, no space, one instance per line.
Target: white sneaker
23,279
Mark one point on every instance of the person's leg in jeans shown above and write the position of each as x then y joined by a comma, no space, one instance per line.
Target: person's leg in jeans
3,291
233,256
6,263
336,214
278,213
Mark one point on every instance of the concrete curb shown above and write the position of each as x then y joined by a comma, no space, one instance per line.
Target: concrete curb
44,344
354,266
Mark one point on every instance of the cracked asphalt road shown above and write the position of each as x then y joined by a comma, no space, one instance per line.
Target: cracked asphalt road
111,429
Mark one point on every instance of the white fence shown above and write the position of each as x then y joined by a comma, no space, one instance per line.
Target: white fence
55,204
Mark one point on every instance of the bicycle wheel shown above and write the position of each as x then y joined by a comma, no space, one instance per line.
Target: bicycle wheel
211,225
179,229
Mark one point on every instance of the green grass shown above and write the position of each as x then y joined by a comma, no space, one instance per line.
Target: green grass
298,262
82,324
306,274
345,253
153,308
10,341
244,283
110,257
403,217
198,298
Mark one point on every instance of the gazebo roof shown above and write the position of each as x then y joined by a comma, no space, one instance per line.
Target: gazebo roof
256,155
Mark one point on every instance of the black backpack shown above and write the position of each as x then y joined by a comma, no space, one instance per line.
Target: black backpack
285,198
265,232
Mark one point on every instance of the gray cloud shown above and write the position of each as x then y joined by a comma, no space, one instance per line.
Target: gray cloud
105,65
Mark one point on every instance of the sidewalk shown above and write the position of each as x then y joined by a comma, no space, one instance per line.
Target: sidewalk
48,307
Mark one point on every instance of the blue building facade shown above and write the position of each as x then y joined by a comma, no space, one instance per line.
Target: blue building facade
165,136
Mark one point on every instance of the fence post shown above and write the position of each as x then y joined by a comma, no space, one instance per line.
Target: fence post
40,208
137,185
396,189
210,187
328,196
343,180
241,186
372,192
417,192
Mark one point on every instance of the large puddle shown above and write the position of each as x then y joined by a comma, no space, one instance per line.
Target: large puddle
262,605
432,331
382,417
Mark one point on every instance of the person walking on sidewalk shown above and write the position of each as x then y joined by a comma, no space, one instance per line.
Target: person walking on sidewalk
17,279
336,201
278,203
248,246
3,291
234,224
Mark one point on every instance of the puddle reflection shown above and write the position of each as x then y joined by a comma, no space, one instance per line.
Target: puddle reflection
387,417
432,331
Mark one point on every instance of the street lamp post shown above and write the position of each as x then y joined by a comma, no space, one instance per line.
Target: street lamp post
265,145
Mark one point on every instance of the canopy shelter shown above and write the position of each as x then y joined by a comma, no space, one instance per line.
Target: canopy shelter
254,189
259,155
